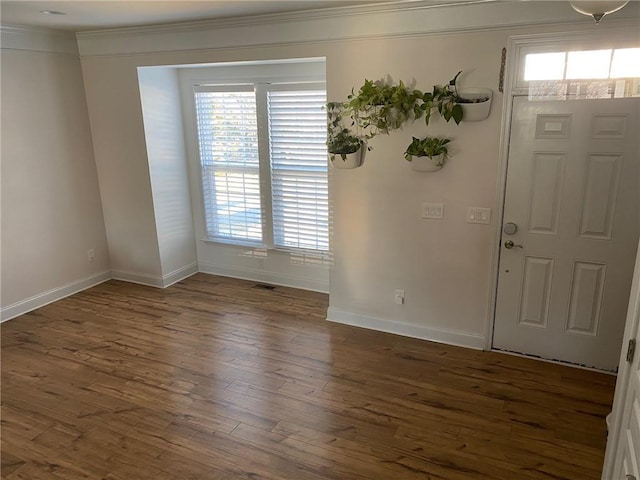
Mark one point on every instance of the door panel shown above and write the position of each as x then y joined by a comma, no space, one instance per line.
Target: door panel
629,456
599,197
587,286
536,291
546,192
572,188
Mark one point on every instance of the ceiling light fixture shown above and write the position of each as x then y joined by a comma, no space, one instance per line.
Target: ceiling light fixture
597,9
52,12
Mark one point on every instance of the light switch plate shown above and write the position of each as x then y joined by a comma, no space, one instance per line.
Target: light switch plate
433,210
479,215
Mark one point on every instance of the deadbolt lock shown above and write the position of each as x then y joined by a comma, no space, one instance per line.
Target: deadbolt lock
510,228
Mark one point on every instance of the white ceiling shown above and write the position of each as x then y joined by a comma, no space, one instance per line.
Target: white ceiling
97,14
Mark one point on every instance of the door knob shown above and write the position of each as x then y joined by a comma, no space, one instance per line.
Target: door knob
629,477
509,244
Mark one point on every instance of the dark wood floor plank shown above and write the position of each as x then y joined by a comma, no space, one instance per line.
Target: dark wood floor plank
218,379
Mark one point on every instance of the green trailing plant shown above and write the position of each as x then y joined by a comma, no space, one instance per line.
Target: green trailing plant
445,100
428,147
341,139
381,107
343,144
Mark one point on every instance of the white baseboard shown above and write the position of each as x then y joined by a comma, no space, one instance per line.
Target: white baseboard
58,293
156,280
266,277
179,274
140,278
440,335
53,295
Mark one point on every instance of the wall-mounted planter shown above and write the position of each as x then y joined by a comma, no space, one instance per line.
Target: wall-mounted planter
476,103
427,164
350,160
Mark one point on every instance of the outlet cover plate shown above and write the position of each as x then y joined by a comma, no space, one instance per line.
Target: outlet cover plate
479,215
399,297
433,210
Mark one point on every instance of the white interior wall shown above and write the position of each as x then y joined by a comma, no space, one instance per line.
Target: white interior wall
379,241
164,136
51,209
117,131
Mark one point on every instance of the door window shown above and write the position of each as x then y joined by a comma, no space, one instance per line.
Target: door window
579,74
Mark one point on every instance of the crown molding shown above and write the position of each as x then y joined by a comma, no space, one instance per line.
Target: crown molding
33,39
392,19
271,18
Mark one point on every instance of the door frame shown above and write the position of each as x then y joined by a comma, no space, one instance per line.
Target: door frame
624,374
613,33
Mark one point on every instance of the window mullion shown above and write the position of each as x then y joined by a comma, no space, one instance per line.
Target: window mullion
262,112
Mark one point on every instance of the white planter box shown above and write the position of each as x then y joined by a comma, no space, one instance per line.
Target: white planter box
427,164
351,160
474,112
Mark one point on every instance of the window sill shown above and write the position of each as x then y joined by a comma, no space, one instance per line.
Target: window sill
261,246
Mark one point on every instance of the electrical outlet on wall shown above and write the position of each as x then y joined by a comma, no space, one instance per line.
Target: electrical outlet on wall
433,210
91,254
399,297
479,215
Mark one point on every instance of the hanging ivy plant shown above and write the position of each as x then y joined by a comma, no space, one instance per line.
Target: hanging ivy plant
381,107
342,131
428,147
445,100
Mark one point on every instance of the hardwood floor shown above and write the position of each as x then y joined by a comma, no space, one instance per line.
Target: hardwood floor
215,378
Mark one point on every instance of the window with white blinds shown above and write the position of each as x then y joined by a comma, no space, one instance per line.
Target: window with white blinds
263,161
228,141
298,152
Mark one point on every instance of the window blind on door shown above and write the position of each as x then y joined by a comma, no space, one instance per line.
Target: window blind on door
228,140
297,144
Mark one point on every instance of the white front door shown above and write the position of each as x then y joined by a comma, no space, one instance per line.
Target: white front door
572,192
